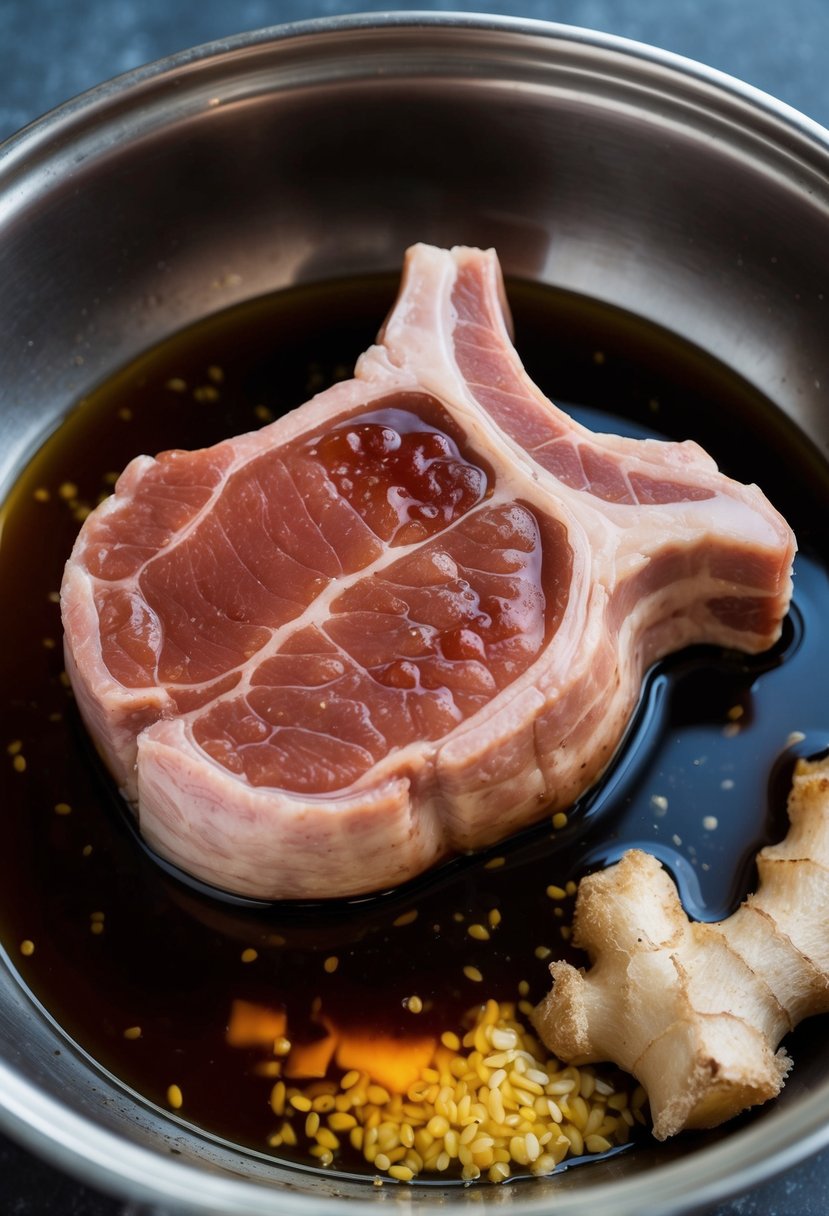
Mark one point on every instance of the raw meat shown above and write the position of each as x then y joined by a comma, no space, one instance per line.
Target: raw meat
405,619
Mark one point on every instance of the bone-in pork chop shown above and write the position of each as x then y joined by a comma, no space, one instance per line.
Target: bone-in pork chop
405,619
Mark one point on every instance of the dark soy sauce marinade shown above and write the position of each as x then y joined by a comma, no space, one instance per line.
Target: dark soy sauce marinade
701,779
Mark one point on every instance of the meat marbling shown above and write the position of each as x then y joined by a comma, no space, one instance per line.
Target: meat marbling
405,619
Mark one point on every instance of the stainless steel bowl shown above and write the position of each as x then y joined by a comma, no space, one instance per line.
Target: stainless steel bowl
323,149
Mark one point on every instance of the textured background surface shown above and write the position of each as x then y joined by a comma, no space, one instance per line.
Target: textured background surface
52,49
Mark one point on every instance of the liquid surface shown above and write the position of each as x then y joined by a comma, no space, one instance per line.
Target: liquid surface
701,779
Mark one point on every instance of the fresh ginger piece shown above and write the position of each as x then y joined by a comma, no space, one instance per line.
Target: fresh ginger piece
695,1011
391,1062
312,1059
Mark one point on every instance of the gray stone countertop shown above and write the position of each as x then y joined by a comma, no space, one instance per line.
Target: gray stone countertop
51,50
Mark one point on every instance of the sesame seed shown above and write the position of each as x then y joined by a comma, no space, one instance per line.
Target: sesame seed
735,713
414,1004
402,1172
41,494
494,863
487,1104
659,803
479,932
175,1098
205,393
532,1146
19,763
596,1144
494,918
132,1032
472,973
215,373
406,918
63,808
68,490
503,1040
341,1121
176,385
249,955
281,1046
555,892
27,947
559,820
331,964
710,823
327,1139
542,952
86,851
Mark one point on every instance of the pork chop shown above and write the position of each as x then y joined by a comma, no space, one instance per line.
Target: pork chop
405,619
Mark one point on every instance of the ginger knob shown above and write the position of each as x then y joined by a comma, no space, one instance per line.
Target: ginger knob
696,1011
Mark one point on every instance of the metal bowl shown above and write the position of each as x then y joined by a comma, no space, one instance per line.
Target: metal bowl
323,149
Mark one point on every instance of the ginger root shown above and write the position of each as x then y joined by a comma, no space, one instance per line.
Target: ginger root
695,1011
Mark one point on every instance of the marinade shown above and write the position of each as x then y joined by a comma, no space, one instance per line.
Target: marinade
141,966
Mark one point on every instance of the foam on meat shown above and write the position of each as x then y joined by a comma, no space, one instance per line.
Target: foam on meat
405,619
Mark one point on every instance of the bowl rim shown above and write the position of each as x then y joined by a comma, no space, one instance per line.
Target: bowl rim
100,1157
44,126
